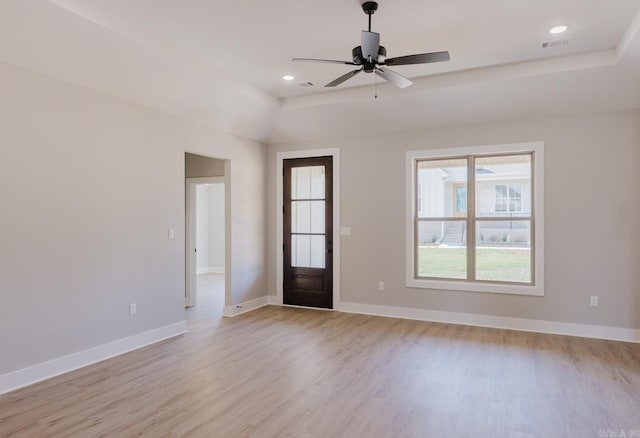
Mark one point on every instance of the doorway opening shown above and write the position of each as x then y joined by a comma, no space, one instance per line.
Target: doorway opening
206,225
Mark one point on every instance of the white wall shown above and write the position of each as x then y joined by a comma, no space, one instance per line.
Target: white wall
216,226
592,177
210,242
89,186
202,228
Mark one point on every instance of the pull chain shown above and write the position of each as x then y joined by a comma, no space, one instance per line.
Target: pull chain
375,85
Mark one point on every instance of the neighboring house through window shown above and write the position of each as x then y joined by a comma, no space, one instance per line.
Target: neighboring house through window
474,219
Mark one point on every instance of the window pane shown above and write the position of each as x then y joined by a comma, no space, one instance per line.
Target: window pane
503,251
442,249
503,186
307,251
307,182
307,216
443,188
501,198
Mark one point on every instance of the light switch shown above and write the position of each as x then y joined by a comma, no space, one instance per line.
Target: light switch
345,231
172,234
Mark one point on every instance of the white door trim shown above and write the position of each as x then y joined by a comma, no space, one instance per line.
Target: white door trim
191,297
280,157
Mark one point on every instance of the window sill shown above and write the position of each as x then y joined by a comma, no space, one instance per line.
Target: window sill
468,286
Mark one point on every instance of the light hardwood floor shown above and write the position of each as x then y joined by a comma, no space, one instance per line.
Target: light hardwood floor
302,373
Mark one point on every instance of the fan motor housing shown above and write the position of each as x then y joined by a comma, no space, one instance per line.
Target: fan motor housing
368,66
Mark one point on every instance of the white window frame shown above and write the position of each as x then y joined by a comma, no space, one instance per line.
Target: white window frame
537,288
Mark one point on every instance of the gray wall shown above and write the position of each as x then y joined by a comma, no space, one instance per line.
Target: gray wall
89,186
592,179
197,166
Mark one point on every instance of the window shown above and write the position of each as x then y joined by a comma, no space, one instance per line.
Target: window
508,198
474,219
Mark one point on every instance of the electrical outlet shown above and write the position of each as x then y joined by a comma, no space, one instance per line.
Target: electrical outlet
381,285
594,301
132,309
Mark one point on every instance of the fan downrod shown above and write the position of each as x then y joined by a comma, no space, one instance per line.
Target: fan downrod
370,8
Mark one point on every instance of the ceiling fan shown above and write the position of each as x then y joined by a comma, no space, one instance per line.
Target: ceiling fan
371,57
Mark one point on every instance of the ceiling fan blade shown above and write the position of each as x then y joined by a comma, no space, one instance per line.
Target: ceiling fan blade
395,78
325,61
343,78
423,58
370,45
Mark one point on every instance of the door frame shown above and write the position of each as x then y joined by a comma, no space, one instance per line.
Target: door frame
280,157
191,296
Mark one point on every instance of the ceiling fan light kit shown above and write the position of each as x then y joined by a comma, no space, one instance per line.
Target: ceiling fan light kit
371,57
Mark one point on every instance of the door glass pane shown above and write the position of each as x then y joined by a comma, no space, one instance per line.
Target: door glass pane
443,188
307,216
307,182
307,251
317,252
300,250
503,186
503,251
442,249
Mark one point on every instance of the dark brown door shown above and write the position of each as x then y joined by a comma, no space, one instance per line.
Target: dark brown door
308,232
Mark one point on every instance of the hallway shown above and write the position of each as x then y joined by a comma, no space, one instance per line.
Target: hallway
210,298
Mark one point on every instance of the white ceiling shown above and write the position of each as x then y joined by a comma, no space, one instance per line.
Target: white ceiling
221,62
469,102
255,40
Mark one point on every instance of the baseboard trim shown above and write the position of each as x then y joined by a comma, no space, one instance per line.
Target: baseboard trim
500,322
247,306
210,270
472,319
62,365
321,309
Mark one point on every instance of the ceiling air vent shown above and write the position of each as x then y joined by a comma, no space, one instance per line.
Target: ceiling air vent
306,84
556,43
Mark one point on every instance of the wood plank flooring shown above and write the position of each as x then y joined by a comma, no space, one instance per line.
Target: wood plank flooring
285,372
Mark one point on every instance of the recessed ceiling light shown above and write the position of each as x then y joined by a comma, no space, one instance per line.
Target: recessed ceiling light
558,29
288,77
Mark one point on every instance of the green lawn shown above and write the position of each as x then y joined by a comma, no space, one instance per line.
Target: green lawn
504,264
